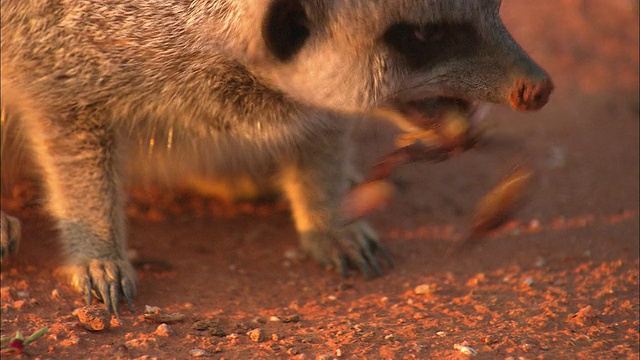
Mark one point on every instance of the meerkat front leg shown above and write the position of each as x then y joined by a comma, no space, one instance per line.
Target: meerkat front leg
80,160
315,185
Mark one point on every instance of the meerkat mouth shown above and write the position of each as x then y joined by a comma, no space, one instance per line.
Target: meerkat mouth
429,113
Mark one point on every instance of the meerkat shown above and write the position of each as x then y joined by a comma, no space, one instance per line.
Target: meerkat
270,88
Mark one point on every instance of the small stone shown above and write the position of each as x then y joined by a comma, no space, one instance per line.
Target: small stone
217,331
151,309
115,322
274,319
256,335
201,325
291,319
93,317
423,289
526,347
197,352
259,320
528,281
584,316
165,318
465,349
141,343
155,314
208,325
441,333
163,330
72,339
490,339
55,294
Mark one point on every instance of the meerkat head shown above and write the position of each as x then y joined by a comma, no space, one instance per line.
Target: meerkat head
358,54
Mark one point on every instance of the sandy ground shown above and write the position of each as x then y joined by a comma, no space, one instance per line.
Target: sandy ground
558,282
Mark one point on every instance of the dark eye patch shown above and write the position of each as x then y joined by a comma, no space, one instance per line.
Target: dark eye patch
285,28
430,44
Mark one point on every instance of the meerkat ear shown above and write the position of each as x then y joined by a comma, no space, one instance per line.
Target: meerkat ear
285,28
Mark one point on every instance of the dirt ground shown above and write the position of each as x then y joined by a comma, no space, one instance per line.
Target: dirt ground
558,282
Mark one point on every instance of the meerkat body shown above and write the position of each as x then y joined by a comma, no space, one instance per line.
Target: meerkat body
270,88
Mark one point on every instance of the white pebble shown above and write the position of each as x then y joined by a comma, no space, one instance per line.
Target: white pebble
163,330
423,289
467,350
197,352
151,309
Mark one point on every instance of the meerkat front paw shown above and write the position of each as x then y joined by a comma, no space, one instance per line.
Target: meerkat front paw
109,280
10,235
354,245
